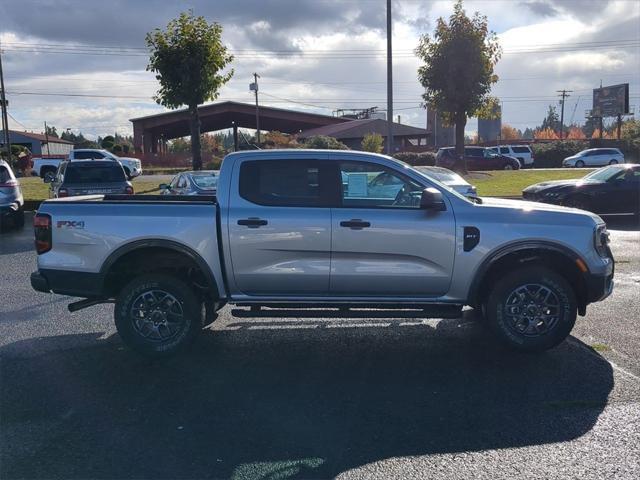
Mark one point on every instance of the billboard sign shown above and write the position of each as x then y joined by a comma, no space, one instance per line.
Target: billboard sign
611,101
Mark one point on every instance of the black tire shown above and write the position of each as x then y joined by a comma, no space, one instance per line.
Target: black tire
613,162
577,201
18,219
170,298
516,308
579,164
508,166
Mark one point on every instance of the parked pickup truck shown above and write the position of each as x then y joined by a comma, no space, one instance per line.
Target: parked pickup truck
46,167
286,230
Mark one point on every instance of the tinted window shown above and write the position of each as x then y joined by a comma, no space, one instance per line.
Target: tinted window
368,185
505,149
98,173
474,152
286,183
87,155
521,150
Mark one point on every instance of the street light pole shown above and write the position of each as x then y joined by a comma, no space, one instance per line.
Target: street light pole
389,83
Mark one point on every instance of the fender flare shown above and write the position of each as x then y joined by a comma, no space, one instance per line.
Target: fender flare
514,247
160,243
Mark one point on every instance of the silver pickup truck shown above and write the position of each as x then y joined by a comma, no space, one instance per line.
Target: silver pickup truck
311,229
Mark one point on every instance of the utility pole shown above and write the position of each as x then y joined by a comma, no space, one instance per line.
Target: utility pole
563,94
46,138
254,87
389,83
5,119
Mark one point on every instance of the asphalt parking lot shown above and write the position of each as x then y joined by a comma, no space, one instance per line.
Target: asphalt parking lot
286,398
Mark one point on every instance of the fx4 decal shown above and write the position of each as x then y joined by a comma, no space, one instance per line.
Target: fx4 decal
77,224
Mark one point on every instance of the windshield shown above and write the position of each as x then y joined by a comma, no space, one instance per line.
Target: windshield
94,174
444,175
602,174
206,181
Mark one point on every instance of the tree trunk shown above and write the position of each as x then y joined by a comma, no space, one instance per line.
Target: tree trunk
196,150
461,162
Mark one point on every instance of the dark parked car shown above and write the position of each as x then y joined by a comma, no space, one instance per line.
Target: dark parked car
89,177
478,158
201,182
11,200
608,190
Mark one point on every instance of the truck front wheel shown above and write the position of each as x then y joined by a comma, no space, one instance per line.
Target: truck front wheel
532,309
157,315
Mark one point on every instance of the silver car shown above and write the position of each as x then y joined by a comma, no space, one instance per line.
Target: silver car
11,200
200,182
594,157
451,180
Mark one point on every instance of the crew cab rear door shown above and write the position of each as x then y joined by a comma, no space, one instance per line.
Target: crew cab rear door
280,226
383,244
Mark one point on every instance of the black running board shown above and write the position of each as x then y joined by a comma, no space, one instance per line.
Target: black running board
348,311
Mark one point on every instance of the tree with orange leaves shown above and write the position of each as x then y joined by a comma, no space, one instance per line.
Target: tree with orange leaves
507,132
545,134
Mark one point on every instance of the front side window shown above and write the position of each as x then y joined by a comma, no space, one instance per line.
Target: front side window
475,152
506,150
285,183
368,185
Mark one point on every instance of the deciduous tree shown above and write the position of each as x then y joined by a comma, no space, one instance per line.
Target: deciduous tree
458,69
189,58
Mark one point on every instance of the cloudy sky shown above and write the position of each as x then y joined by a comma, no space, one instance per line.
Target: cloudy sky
80,64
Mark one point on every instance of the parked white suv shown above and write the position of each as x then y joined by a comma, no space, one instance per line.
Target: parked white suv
522,152
594,157
46,168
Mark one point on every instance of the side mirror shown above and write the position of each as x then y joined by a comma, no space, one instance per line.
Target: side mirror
164,186
431,199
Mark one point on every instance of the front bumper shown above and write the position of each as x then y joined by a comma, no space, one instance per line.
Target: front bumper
599,287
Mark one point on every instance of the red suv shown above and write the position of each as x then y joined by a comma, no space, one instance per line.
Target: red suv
478,158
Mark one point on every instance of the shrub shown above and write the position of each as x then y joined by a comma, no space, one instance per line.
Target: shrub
551,155
325,143
372,142
427,159
117,149
213,164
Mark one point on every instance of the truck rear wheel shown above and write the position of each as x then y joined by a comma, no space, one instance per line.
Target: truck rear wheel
157,315
532,309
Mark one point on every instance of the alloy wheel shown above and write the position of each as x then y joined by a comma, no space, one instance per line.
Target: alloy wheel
157,315
532,309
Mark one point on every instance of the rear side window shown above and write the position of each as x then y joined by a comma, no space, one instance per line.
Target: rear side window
474,152
521,150
505,149
94,173
286,183
87,155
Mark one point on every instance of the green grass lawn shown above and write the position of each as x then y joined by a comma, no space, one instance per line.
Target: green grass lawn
34,189
491,184
501,183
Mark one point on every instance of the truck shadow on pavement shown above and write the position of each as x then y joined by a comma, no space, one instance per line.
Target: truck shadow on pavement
286,403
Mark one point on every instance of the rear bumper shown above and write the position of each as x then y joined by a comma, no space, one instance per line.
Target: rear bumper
64,282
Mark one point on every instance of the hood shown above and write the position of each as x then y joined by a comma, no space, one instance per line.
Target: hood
575,182
525,206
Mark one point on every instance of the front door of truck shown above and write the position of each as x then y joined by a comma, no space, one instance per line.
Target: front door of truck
383,244
280,227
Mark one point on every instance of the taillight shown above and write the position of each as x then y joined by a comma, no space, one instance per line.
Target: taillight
9,183
63,192
128,190
42,232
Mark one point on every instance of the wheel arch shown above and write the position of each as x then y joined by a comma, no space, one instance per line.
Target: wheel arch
140,250
556,257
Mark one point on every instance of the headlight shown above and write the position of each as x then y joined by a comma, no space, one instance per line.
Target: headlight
601,240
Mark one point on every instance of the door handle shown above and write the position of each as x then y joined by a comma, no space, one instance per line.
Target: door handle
252,222
355,224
